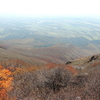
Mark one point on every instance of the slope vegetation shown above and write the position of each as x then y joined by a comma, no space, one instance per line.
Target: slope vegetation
78,80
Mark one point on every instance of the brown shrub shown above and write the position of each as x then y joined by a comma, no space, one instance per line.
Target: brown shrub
92,89
39,83
56,83
57,78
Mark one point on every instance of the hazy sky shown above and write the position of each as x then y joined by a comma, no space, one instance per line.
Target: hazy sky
50,6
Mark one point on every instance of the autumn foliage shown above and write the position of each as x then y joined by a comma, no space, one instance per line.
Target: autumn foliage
5,83
67,67
95,64
21,81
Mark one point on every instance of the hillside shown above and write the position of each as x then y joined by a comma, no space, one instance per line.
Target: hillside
59,53
79,79
9,55
59,72
49,58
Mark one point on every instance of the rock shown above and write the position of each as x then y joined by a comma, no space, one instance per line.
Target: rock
68,62
93,58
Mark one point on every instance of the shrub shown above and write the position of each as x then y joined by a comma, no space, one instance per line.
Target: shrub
39,83
92,89
57,78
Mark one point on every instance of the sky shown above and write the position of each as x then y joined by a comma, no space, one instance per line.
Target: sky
53,7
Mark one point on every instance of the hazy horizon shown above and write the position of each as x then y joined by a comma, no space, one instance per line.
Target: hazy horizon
50,7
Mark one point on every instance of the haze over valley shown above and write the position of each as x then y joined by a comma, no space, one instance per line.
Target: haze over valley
56,38
49,50
49,57
50,30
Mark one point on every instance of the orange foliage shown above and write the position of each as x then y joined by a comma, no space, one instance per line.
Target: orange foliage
14,63
95,64
5,83
69,67
27,69
51,65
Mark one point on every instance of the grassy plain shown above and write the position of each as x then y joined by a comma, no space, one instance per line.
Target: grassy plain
48,31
